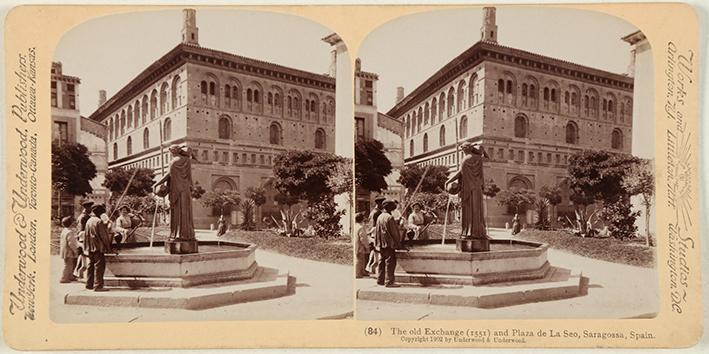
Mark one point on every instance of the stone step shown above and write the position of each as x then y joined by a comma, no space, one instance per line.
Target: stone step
192,298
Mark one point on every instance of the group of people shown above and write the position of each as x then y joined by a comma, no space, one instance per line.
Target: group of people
83,248
383,234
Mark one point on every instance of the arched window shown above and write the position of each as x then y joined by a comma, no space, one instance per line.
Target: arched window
123,121
471,90
212,93
227,95
129,115
461,96
174,93
146,138
442,136
129,146
463,133
249,96
136,113
153,104
451,102
420,115
275,134
224,128
144,116
521,127
572,133
617,139
236,96
411,147
110,128
426,110
115,151
441,106
269,101
163,98
425,142
434,109
320,139
203,91
167,130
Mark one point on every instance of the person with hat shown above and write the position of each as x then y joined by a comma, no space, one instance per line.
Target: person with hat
68,249
417,222
386,241
123,225
373,262
85,214
97,242
82,260
471,183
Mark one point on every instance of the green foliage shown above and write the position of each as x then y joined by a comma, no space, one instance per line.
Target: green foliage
371,165
117,180
620,218
542,207
490,189
434,182
599,174
256,194
551,194
305,174
197,191
221,200
248,208
430,201
516,198
325,217
286,199
341,179
145,206
72,169
641,181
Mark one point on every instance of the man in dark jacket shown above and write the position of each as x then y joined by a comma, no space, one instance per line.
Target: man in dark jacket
387,240
97,241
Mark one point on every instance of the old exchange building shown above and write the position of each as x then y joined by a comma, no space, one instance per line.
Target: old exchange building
235,113
529,111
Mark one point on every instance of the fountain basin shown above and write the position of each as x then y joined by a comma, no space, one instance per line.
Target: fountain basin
139,265
430,262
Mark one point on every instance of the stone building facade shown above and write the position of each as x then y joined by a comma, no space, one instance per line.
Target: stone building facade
372,124
68,126
235,113
529,111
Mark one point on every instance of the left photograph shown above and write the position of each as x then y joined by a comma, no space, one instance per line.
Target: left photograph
197,172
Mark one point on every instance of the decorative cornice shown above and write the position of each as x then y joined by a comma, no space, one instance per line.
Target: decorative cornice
184,53
488,51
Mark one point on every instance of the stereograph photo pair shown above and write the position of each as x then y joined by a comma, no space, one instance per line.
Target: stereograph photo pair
327,176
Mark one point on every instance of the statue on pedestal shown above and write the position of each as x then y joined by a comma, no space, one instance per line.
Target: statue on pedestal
179,184
471,182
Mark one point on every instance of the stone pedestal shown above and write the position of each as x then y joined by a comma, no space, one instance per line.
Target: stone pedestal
178,246
472,244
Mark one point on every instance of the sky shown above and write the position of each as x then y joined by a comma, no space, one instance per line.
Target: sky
408,50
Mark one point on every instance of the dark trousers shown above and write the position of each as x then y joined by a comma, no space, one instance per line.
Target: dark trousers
68,272
97,266
386,266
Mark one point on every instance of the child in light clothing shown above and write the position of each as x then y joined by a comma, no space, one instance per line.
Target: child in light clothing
361,246
68,249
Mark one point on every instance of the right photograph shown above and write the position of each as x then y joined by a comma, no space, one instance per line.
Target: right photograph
504,167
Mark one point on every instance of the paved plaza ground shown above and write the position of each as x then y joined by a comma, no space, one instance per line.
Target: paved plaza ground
323,290
615,291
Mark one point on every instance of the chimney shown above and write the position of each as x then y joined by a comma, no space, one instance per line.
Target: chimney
190,32
101,97
399,94
488,31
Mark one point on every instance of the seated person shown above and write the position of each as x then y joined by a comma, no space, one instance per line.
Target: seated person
123,226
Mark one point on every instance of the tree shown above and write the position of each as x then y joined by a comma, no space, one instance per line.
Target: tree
71,170
117,180
598,176
325,217
490,190
547,196
222,200
341,182
248,208
306,175
144,206
641,181
371,165
433,182
257,194
516,198
289,218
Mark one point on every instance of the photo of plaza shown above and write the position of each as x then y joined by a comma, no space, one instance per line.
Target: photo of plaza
201,169
504,167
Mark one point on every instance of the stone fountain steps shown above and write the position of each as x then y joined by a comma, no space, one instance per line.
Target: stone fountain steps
182,282
488,296
476,279
261,287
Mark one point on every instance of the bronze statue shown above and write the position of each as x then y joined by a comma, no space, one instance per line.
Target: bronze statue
179,183
471,182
